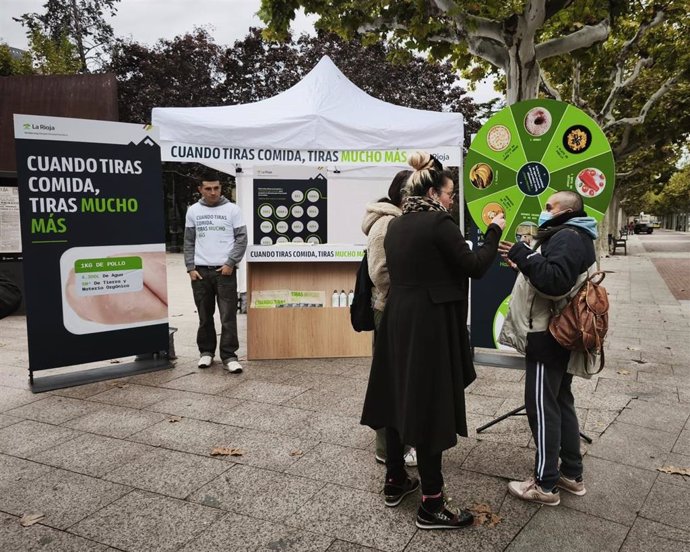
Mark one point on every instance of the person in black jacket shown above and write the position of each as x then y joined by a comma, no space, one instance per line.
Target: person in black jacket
551,270
10,296
422,361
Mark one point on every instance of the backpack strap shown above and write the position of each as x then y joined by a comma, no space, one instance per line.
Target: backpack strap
602,361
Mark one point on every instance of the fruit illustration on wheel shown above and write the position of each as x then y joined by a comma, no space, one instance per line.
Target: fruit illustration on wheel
481,175
527,152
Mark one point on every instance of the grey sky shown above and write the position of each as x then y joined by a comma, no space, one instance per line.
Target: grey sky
146,21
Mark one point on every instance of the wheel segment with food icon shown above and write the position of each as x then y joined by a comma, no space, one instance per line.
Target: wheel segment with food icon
530,150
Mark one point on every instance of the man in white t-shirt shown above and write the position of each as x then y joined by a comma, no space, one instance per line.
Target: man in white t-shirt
215,239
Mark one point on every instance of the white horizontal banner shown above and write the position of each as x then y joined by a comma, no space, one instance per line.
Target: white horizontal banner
291,253
177,151
63,129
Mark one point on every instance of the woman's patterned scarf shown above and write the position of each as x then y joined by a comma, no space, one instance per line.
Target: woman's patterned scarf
416,204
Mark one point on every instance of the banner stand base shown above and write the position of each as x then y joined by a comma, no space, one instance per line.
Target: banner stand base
111,371
499,359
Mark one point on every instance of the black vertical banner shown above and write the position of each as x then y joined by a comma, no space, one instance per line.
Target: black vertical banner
489,299
91,207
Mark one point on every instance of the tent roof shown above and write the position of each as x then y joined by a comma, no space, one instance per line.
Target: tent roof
322,111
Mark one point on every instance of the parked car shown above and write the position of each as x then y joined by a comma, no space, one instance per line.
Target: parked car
643,228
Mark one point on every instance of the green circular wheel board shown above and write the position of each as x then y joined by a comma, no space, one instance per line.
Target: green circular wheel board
528,151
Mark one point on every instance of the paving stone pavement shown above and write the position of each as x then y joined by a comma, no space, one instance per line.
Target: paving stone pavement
125,465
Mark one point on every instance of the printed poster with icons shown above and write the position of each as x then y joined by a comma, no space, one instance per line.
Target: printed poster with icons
290,210
518,159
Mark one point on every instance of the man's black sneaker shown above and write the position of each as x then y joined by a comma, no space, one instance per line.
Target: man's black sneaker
395,492
447,517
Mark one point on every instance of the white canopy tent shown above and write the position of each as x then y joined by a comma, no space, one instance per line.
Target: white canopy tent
324,122
324,112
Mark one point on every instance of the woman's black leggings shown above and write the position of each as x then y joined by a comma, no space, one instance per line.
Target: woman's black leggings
428,464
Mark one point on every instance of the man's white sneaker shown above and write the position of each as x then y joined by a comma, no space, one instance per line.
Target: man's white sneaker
232,366
205,361
572,485
410,458
531,492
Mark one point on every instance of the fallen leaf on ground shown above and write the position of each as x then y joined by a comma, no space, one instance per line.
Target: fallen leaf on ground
227,451
674,470
633,348
623,372
484,516
27,520
296,453
174,419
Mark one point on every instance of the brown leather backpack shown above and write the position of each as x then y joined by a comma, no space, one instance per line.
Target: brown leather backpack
583,322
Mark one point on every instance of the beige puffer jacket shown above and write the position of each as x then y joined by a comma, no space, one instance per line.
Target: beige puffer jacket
531,311
375,226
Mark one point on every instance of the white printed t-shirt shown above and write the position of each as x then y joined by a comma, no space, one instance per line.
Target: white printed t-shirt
215,231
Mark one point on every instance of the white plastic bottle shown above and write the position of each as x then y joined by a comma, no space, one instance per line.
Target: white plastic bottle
343,298
350,298
335,299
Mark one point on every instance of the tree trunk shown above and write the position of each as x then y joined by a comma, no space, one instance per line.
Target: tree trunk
78,37
602,242
522,71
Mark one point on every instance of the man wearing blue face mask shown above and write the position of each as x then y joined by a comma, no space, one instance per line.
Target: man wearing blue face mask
551,269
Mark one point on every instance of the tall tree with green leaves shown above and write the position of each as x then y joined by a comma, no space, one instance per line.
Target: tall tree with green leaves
181,72
12,64
45,56
487,36
626,63
81,22
636,85
674,197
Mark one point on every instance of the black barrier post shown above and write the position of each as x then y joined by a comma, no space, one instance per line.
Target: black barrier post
517,412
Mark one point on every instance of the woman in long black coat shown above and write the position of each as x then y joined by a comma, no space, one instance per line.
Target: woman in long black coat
422,360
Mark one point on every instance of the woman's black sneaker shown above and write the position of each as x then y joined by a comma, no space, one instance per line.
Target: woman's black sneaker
447,517
395,492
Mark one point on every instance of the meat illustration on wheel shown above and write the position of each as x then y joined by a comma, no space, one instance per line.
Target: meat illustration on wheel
590,182
538,121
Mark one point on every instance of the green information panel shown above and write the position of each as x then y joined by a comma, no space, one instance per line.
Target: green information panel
528,151
517,160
